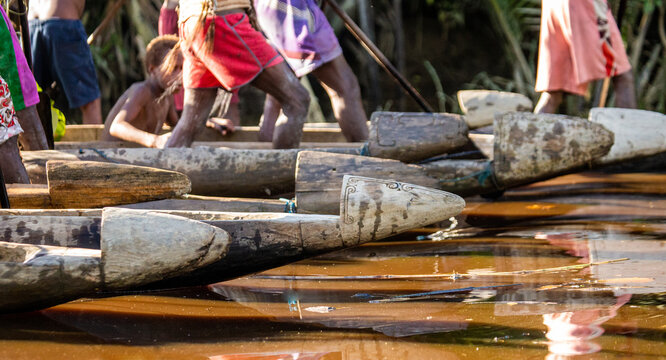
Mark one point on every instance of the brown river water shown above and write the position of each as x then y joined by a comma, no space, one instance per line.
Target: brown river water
509,279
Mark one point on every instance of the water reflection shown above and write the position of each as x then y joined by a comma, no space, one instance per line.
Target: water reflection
518,285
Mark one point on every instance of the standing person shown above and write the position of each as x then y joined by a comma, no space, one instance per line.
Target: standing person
300,31
580,42
12,168
61,54
223,50
219,120
14,68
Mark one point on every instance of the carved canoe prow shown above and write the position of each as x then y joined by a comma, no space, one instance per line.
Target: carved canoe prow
137,248
372,209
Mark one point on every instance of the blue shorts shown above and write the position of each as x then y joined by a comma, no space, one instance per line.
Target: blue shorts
60,53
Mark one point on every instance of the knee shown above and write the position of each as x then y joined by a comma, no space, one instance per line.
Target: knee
348,88
298,103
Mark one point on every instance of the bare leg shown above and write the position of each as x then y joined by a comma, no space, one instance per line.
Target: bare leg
198,103
549,102
92,112
12,167
342,87
625,93
281,83
33,137
271,112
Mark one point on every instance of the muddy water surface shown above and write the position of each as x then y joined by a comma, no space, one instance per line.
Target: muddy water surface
569,268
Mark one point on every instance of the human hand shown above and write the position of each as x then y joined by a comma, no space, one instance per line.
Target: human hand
223,126
161,140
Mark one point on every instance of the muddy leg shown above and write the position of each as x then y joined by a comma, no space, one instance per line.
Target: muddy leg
271,113
92,112
625,93
196,109
281,83
549,102
342,87
12,167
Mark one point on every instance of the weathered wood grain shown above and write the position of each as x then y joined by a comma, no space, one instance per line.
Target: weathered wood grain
377,209
324,132
638,133
29,196
212,171
135,248
258,145
410,137
319,177
480,106
530,147
140,247
90,184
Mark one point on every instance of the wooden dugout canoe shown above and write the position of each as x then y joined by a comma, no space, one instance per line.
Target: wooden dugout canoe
228,172
134,248
528,148
90,184
402,136
370,209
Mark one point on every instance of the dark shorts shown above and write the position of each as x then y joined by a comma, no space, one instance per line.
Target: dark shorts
60,53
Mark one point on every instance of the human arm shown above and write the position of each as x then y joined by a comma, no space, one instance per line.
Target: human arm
123,126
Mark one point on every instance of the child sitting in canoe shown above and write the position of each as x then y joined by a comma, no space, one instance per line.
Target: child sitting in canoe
140,113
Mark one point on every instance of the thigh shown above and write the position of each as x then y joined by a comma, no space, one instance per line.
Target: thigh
280,82
336,75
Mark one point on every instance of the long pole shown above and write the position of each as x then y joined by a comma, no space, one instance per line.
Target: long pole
606,85
105,22
379,56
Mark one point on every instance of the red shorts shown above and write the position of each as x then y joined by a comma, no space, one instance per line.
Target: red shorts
239,53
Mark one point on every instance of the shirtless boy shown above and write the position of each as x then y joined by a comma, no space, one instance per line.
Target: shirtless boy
222,49
140,113
60,53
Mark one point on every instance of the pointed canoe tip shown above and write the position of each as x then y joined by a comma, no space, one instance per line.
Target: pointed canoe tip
529,146
142,246
372,209
638,133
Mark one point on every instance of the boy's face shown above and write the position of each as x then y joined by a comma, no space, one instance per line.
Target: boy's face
170,79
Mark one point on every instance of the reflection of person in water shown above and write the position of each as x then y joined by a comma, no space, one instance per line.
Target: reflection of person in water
571,333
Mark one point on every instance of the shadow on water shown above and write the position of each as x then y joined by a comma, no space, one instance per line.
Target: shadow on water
548,271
